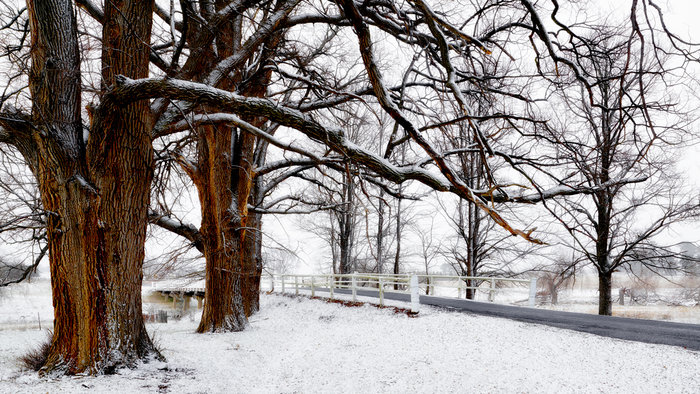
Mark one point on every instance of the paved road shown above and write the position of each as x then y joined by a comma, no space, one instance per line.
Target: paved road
648,331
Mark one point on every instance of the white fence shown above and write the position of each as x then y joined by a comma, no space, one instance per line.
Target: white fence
414,284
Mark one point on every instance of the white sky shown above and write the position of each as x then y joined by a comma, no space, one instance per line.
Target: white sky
682,16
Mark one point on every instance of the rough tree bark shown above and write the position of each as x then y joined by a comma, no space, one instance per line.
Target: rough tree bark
605,294
97,192
220,229
225,178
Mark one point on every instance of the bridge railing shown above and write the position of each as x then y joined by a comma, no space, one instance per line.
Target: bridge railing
414,284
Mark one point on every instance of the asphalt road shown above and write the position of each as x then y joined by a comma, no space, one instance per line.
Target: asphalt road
640,330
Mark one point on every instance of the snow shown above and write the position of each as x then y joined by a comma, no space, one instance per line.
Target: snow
302,345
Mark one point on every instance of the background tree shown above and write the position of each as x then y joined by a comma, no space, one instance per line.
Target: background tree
22,221
427,246
627,116
555,276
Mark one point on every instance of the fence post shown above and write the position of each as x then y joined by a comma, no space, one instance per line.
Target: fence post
272,282
313,288
296,284
533,292
381,292
459,288
282,277
354,287
415,298
332,284
492,296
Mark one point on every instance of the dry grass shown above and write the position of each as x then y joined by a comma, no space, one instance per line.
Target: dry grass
35,358
648,315
658,312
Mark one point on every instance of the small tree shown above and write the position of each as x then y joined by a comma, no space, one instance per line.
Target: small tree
428,245
553,278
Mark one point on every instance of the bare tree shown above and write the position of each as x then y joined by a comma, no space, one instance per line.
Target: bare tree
556,276
428,245
22,221
627,117
344,221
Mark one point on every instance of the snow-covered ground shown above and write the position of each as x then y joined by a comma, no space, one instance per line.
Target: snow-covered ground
307,346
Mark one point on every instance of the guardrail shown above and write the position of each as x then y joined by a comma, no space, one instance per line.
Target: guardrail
412,284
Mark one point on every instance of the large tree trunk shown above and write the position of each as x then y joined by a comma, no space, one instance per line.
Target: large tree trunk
122,165
96,195
221,232
604,207
223,223
76,258
470,292
243,184
224,178
603,200
252,266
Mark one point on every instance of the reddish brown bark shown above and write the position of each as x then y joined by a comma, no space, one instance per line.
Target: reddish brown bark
221,232
96,193
224,177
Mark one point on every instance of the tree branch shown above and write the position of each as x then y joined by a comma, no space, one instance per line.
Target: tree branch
187,231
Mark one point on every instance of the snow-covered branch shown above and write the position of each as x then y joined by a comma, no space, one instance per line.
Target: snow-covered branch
187,231
566,190
128,90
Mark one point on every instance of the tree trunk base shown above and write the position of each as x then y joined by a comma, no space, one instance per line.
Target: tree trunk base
230,323
103,361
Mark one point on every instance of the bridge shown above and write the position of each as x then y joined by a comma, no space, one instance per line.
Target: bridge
181,297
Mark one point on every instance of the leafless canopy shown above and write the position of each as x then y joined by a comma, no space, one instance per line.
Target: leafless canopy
447,52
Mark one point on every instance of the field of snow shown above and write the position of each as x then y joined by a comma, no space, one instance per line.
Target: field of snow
307,346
